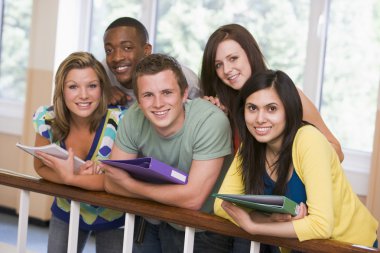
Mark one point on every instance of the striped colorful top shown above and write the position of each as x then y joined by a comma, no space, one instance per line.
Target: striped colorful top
91,217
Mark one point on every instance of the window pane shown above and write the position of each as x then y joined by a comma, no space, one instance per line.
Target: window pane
280,28
352,72
103,13
15,49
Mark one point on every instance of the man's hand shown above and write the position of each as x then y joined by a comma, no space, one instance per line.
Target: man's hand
116,180
118,97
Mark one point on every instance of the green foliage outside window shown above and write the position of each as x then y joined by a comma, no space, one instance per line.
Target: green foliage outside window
15,49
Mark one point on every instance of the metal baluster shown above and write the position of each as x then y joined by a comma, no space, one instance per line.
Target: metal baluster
23,221
73,227
128,232
255,247
189,240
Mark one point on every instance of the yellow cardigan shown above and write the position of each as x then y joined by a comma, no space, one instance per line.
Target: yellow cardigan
334,210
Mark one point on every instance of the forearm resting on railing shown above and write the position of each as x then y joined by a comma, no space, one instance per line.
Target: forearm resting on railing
158,211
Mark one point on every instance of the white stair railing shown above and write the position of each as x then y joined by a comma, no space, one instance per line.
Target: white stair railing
74,226
190,219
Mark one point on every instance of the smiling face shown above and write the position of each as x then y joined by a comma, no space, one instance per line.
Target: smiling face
82,92
232,64
265,117
160,99
124,49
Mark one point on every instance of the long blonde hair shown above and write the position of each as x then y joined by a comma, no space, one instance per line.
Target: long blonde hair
79,60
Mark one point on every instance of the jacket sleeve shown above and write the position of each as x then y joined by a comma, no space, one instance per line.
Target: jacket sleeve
232,184
312,156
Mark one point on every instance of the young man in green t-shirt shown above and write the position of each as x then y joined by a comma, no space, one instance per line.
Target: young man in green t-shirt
191,135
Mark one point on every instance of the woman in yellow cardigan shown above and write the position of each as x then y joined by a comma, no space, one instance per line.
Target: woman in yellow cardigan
282,155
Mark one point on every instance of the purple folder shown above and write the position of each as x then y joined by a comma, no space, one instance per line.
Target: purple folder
150,170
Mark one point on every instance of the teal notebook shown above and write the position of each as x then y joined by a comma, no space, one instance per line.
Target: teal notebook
263,203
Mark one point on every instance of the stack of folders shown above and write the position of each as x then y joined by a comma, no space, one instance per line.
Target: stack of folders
262,203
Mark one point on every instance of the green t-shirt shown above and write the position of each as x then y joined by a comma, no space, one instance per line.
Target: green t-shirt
205,135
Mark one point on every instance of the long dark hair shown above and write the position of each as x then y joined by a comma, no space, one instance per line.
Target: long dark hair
210,83
252,152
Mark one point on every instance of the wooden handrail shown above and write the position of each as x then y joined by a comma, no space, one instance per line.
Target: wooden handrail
159,211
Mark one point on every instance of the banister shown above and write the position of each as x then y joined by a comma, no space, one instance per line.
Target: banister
159,211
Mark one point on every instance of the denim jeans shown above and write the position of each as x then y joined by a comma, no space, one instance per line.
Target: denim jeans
163,238
106,241
241,245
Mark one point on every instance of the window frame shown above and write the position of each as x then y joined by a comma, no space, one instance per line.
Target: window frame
11,112
357,164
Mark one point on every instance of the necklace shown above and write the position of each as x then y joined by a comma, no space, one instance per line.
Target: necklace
271,159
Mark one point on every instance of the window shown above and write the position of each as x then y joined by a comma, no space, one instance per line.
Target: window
352,72
13,62
183,28
104,12
14,49
289,33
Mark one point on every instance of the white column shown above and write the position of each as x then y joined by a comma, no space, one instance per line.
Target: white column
149,17
316,47
73,28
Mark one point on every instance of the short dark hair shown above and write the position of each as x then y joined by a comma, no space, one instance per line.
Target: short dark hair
131,22
155,63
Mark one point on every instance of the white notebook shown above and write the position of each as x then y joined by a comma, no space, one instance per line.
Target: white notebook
51,149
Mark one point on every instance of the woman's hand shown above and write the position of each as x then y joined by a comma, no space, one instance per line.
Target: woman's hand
250,223
282,217
216,101
302,211
239,215
89,168
63,168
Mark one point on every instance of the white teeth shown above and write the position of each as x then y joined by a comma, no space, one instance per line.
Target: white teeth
84,104
122,67
160,113
262,129
232,77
